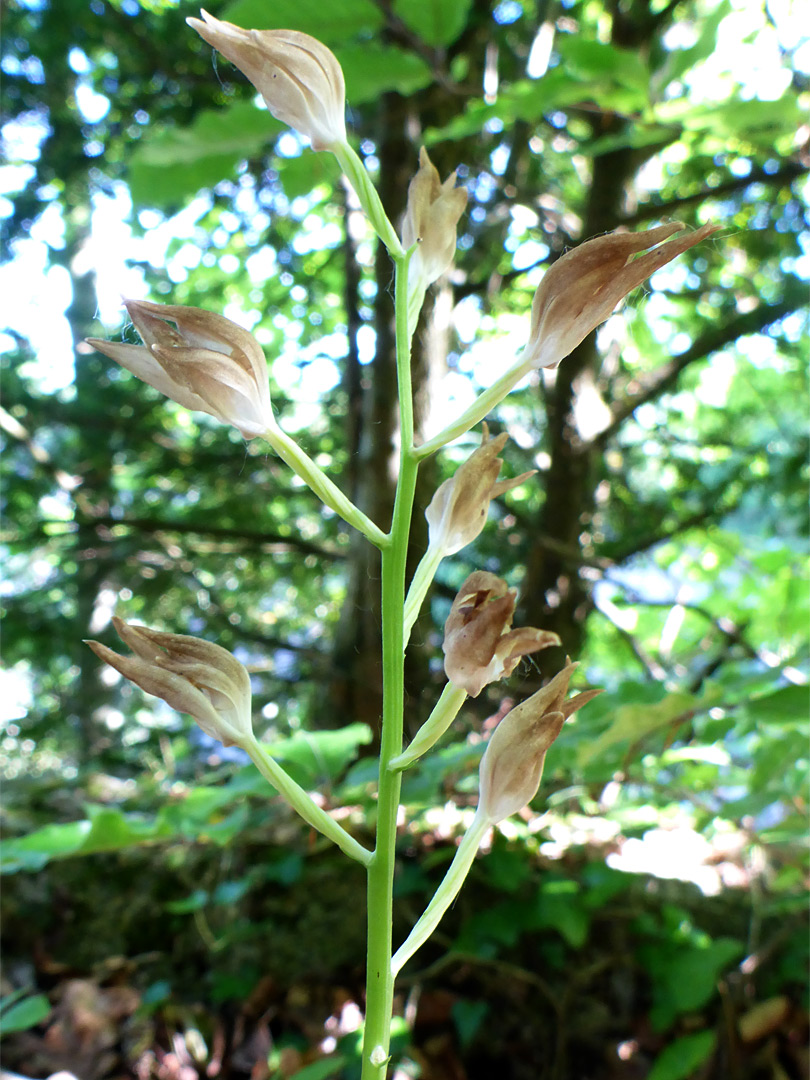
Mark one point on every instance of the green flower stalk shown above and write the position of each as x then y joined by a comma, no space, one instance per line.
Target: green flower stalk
509,778
207,682
458,512
207,363
578,292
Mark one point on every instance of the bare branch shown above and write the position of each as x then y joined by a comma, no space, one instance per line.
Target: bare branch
664,377
277,540
781,177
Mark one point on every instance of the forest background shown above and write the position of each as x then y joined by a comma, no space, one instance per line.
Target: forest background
162,915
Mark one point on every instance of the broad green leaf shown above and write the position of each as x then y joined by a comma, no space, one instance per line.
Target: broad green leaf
560,907
9,999
171,164
633,721
679,61
680,1059
501,925
241,128
436,22
321,1070
303,174
371,69
527,99
195,902
635,135
35,850
597,60
228,892
507,867
685,976
467,1017
111,829
332,22
24,1014
318,757
285,869
601,884
786,706
571,922
735,119
312,758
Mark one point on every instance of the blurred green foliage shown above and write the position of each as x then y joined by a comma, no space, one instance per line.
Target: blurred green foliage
673,559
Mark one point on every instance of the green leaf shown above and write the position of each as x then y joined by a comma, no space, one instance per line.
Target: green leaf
332,22
312,758
32,852
467,1017
171,164
110,829
301,175
679,61
757,121
317,757
371,69
685,976
9,999
285,869
597,60
526,99
635,135
633,721
195,902
786,706
437,22
24,1014
680,1059
559,906
320,1070
507,867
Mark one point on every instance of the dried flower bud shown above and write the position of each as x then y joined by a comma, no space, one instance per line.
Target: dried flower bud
191,675
431,217
581,289
298,77
512,765
479,646
204,362
458,511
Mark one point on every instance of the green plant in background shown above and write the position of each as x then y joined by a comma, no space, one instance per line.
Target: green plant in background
205,362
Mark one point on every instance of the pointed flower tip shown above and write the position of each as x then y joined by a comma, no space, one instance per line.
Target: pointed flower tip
299,78
458,511
199,359
584,286
479,645
512,765
431,220
191,675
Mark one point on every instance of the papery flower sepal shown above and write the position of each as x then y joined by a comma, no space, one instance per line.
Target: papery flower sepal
479,645
431,218
583,287
298,77
199,359
458,511
512,765
578,292
191,675
509,776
